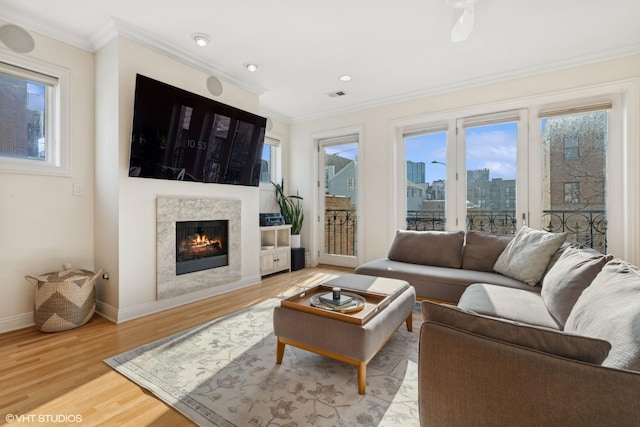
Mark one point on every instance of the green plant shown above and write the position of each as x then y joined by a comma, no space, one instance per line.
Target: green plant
290,208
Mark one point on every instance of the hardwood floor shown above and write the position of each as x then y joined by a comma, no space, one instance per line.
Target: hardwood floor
50,378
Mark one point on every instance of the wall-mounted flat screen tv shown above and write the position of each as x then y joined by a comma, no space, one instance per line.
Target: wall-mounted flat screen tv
179,135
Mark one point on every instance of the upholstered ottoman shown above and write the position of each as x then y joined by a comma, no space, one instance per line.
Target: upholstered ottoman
352,343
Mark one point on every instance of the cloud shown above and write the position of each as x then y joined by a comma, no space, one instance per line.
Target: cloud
494,150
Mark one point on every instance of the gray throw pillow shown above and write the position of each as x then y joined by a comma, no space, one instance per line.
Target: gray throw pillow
609,309
526,256
570,275
558,343
438,248
481,250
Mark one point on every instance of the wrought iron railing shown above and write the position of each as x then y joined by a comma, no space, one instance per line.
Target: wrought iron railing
340,230
587,227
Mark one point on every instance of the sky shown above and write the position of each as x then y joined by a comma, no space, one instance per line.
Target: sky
492,147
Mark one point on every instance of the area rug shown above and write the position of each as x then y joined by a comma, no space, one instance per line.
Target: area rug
223,373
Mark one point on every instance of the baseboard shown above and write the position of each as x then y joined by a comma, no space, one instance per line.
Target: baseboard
141,310
107,311
19,321
116,315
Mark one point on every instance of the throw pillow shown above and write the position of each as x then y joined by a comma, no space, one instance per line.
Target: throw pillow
438,248
481,250
570,275
609,309
526,256
559,343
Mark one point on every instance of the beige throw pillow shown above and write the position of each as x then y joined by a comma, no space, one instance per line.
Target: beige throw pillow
570,275
526,256
559,343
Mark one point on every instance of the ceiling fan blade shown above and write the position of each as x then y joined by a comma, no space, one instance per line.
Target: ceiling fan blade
464,19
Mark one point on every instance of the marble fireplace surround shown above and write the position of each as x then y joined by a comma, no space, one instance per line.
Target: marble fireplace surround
170,210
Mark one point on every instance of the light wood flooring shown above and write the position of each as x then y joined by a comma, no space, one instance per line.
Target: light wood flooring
63,374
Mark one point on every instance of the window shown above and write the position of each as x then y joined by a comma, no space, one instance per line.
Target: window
426,167
490,153
32,97
571,148
351,183
606,169
574,197
572,193
270,165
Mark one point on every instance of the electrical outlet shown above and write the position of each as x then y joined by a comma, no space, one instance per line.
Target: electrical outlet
77,189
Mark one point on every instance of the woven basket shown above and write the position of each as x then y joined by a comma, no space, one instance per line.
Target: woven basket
65,299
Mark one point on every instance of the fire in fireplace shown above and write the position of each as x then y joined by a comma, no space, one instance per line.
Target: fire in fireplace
201,245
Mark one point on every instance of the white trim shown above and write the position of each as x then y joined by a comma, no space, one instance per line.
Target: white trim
18,321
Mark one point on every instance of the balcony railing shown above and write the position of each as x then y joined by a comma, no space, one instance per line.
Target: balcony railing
340,229
586,227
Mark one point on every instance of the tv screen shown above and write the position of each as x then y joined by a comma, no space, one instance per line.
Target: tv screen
179,135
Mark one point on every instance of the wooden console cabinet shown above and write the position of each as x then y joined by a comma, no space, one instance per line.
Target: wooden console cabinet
275,249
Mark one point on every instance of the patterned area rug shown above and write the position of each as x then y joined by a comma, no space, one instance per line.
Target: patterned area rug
223,373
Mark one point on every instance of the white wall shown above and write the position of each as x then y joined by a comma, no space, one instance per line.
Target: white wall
42,224
128,208
377,151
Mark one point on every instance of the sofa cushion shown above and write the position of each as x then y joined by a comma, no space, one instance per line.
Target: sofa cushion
559,343
507,303
481,250
609,309
570,275
439,248
439,283
526,256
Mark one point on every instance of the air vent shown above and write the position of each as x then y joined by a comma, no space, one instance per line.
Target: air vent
338,93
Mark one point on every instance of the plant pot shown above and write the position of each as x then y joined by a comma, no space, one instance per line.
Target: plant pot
295,240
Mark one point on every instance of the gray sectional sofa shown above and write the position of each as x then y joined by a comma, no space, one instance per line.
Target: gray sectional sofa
560,346
440,265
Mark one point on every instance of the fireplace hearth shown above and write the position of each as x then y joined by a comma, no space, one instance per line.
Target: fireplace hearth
201,245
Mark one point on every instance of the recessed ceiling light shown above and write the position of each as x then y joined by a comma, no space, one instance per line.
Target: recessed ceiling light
345,78
251,66
201,39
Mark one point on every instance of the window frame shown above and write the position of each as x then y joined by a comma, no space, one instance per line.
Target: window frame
57,146
275,154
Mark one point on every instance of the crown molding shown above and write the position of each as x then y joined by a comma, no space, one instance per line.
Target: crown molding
44,29
117,28
471,83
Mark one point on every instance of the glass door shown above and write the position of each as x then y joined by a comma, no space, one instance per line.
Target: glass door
338,220
574,159
494,181
426,174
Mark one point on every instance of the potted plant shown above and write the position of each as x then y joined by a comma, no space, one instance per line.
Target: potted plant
291,211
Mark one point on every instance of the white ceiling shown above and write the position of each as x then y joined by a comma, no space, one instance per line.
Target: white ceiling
395,50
